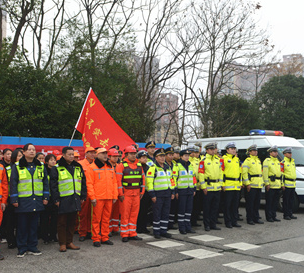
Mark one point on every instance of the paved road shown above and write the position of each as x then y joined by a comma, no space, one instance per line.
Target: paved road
272,247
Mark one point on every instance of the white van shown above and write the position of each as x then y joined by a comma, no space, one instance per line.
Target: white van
264,140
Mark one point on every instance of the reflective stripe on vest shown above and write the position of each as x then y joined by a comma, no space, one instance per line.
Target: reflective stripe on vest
162,179
132,178
185,178
28,184
67,184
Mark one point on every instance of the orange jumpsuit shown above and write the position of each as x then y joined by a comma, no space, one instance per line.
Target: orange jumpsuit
114,222
86,208
3,189
102,186
129,207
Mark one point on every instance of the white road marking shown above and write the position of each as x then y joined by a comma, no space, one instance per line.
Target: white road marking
200,253
173,231
247,266
289,256
242,246
206,238
165,244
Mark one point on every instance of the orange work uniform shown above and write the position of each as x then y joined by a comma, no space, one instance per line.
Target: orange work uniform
3,189
114,222
129,207
86,207
102,186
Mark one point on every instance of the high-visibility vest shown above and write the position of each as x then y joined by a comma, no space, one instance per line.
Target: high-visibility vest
185,178
28,184
1,175
150,162
68,184
132,178
162,181
9,173
232,173
288,169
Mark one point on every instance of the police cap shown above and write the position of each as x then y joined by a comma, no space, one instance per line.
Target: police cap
160,151
169,150
274,148
287,150
230,145
176,149
253,147
116,147
141,153
210,145
184,152
150,144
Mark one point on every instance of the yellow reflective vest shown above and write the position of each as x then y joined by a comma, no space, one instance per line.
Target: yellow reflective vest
158,179
288,168
252,172
231,172
210,173
195,164
272,173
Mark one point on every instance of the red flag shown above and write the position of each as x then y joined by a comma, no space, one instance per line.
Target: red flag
98,128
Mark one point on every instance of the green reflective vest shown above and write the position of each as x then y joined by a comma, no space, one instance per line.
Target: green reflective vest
185,178
28,184
132,178
150,162
68,184
162,181
9,173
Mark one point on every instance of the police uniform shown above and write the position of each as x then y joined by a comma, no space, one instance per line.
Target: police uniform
151,159
186,188
145,202
211,179
160,184
232,185
173,207
252,175
289,174
197,199
272,178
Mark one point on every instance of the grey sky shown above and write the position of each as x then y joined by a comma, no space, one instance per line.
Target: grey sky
285,22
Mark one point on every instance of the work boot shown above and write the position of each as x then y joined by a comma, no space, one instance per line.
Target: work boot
125,239
82,238
108,242
72,246
293,217
135,238
96,244
166,235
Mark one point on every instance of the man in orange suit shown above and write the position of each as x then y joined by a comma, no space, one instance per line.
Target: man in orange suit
86,208
131,188
102,191
3,195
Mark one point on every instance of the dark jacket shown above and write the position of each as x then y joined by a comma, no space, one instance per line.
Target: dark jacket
32,203
72,202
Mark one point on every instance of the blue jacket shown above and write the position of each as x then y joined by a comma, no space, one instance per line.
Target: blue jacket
32,203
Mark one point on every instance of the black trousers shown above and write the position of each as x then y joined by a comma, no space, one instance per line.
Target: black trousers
161,210
272,199
9,225
231,204
253,199
142,219
211,203
197,206
48,222
288,199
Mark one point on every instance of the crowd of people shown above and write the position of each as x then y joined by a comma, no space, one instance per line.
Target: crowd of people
113,192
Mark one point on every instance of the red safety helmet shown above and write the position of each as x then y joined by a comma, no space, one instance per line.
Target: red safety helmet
113,152
130,149
56,152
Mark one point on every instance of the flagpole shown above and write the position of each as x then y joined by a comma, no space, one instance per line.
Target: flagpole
80,116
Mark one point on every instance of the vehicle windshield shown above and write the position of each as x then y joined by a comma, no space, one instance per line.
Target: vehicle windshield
297,155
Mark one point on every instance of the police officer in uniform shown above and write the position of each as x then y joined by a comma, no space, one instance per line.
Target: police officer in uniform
186,189
252,179
211,180
176,155
288,169
173,166
231,185
150,146
160,185
273,183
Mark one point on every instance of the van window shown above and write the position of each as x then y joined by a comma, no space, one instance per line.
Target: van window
297,154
